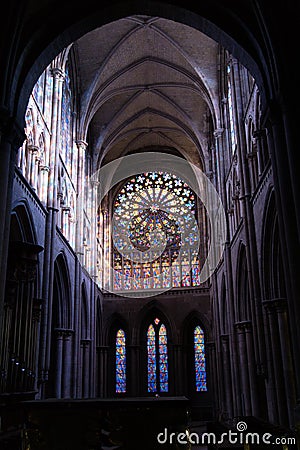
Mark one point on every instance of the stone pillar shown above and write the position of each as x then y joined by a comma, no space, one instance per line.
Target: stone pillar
211,364
252,369
225,355
243,365
103,363
249,222
59,336
85,351
259,139
277,310
50,230
81,145
275,368
67,353
178,368
32,175
132,370
44,183
106,250
289,379
281,147
12,137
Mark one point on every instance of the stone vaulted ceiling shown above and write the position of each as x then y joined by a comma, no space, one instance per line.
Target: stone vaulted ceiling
144,82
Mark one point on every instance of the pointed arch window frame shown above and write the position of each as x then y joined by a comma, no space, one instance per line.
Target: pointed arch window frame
120,362
157,357
200,370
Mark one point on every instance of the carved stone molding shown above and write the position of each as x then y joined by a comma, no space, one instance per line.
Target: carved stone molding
243,326
275,304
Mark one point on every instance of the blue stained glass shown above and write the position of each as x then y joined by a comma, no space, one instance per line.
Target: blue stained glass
120,361
199,360
157,357
151,359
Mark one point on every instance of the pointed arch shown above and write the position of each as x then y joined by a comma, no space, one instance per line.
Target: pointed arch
22,225
243,308
85,316
196,331
118,338
62,311
224,319
157,357
272,267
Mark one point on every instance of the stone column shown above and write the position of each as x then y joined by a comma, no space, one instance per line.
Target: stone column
289,378
259,136
85,349
211,363
243,365
281,147
67,353
103,363
278,309
44,183
36,318
106,250
275,367
59,336
81,145
178,367
132,370
252,369
249,222
12,137
224,338
50,230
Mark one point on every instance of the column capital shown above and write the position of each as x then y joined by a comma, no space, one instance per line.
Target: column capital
85,342
33,148
224,337
57,73
218,132
81,144
45,168
63,332
242,326
275,304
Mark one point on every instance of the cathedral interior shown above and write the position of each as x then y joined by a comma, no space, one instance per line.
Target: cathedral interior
149,227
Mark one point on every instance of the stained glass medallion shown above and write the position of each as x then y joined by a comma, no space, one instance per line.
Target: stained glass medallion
155,232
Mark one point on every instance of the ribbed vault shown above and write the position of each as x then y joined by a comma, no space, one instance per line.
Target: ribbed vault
147,82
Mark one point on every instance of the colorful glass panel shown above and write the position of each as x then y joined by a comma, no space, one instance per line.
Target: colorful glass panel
200,365
120,362
158,205
151,349
157,353
163,359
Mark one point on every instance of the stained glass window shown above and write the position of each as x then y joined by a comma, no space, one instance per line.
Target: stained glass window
154,234
120,361
199,354
157,357
66,123
230,109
